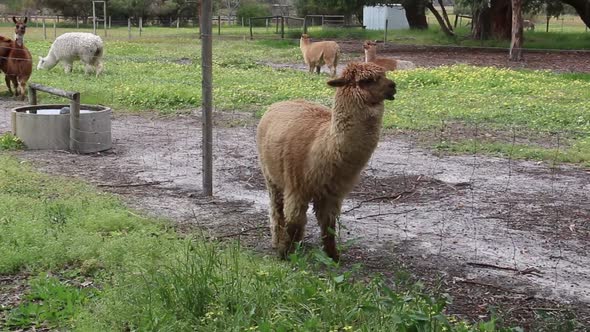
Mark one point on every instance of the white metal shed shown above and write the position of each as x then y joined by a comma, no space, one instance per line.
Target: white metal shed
374,17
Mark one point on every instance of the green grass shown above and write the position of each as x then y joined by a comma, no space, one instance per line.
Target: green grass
160,72
10,142
98,267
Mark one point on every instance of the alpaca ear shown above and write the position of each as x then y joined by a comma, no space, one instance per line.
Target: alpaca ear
26,19
338,82
14,20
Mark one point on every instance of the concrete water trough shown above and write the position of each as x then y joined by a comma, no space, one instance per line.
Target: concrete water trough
75,127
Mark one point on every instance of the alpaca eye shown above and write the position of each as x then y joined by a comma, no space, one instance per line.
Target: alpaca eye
366,81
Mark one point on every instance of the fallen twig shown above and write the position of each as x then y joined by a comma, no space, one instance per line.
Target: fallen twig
385,214
388,197
492,266
123,185
529,270
549,309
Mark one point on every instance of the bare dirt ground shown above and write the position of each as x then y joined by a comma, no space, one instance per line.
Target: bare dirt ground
488,231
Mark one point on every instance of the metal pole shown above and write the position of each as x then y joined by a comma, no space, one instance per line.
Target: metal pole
75,123
207,98
54,30
77,23
219,24
104,17
93,18
282,27
44,30
32,96
385,33
140,25
250,23
129,27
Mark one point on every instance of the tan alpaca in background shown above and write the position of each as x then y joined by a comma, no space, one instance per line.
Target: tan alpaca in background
389,64
311,153
319,53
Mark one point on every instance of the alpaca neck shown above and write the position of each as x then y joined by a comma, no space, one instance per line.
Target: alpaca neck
355,129
303,43
49,61
370,54
19,40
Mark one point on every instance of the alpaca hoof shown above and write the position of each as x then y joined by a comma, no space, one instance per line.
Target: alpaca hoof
286,249
332,253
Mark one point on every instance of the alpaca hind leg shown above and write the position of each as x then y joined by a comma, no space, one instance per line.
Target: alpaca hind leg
277,216
318,69
327,211
295,219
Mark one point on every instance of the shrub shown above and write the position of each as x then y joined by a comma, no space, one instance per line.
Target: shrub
10,142
251,9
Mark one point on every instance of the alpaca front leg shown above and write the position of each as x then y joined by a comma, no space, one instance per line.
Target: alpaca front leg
318,69
88,68
327,211
99,68
295,218
8,82
21,89
67,67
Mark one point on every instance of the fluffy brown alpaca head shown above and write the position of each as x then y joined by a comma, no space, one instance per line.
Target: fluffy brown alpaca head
365,83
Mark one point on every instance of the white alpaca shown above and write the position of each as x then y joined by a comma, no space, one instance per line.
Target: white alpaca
73,46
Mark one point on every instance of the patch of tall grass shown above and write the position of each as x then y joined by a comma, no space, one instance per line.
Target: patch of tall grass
140,275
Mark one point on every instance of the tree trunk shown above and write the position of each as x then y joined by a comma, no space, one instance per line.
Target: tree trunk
517,35
445,15
446,29
501,18
481,23
582,7
494,21
416,14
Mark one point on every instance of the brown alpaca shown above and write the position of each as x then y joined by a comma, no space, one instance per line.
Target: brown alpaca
5,47
311,153
19,64
387,63
319,53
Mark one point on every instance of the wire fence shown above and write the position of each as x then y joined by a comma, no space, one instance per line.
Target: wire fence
482,219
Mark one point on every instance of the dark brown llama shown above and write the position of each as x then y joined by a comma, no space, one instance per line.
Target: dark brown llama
19,63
